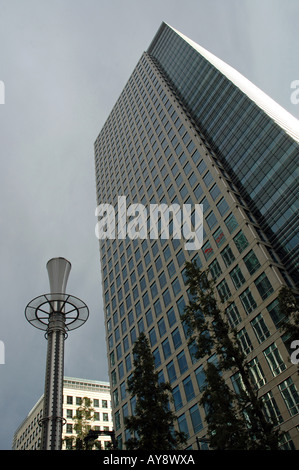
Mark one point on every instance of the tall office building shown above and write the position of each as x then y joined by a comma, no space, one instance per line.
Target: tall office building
189,129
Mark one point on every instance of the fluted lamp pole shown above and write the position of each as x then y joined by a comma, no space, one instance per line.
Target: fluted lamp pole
55,313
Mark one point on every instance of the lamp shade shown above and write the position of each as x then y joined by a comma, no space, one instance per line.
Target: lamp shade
58,272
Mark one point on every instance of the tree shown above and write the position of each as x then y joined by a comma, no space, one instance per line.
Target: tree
228,431
152,422
289,308
288,303
212,334
83,419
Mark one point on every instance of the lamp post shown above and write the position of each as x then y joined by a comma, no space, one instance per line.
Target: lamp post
55,313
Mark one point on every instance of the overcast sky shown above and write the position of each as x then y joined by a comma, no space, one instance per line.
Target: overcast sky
64,63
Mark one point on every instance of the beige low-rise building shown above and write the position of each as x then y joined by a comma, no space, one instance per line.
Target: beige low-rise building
28,434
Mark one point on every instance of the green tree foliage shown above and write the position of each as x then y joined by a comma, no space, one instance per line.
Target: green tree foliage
83,420
235,420
288,302
152,423
227,430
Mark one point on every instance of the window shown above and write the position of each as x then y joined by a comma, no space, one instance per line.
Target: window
158,308
180,258
198,192
176,286
154,290
251,262
205,204
118,347
222,206
166,297
117,420
162,280
233,315
128,363
219,237
140,325
200,377
256,373
69,428
126,343
271,408
149,317
177,399
157,357
182,423
211,220
260,328
171,317
171,269
231,223
201,166
215,269
166,253
228,256
275,313
69,400
195,418
264,286
207,250
188,387
122,391
241,241
171,372
215,191
245,342
193,351
161,327
208,178
223,290
290,395
176,338
274,359
166,348
182,362
237,277
152,336
142,285
248,301
181,305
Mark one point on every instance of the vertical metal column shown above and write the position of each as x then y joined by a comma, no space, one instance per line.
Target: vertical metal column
56,314
53,396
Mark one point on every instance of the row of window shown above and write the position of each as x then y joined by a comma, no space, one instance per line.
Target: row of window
97,416
287,390
262,284
96,402
70,427
174,341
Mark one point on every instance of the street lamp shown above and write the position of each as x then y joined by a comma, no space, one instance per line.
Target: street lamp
55,313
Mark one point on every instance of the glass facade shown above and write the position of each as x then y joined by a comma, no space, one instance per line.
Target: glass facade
152,151
261,158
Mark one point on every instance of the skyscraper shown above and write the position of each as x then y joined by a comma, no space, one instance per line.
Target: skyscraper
188,129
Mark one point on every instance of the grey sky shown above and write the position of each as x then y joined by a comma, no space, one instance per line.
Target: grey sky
64,64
